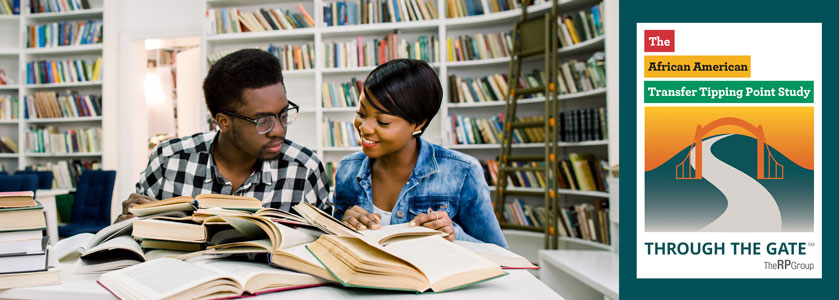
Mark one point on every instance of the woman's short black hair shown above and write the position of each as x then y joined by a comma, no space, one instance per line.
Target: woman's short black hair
406,88
231,75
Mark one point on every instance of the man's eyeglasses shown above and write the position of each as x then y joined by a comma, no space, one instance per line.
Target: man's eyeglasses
265,124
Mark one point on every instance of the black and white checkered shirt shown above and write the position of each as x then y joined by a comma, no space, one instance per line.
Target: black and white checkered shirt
185,167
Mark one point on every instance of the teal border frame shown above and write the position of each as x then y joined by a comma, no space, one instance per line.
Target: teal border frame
770,11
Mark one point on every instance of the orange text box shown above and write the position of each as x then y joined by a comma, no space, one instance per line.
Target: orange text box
684,66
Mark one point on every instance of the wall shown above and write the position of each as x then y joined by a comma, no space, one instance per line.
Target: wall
128,24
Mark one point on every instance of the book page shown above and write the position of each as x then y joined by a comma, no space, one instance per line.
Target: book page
247,271
293,237
121,242
385,233
74,244
157,279
437,258
302,253
116,229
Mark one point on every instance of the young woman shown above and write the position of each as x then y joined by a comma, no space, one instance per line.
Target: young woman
399,177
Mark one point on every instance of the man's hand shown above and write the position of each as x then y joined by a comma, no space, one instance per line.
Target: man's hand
361,219
134,199
438,220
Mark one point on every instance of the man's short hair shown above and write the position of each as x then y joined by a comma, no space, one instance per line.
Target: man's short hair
407,88
231,75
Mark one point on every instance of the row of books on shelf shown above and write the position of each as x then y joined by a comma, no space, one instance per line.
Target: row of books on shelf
54,105
465,8
348,12
578,76
9,107
525,179
23,243
344,94
232,20
490,88
46,6
582,221
360,53
50,140
479,46
582,172
64,33
471,130
581,125
295,57
62,71
340,134
580,26
162,57
66,173
9,7
7,145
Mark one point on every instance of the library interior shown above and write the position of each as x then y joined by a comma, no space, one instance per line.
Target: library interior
129,169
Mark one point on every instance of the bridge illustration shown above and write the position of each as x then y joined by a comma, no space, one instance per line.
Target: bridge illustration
765,160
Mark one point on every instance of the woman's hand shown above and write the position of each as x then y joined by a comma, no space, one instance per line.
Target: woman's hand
438,220
133,199
361,219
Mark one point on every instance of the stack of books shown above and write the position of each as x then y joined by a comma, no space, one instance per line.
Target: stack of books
23,245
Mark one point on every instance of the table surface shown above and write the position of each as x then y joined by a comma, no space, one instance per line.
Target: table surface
598,269
519,284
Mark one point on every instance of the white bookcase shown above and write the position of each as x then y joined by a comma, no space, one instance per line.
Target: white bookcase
304,86
14,55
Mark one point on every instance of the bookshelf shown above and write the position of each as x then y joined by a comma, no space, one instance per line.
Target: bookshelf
15,55
305,86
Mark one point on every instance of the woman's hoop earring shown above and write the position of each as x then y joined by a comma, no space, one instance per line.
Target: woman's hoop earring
416,132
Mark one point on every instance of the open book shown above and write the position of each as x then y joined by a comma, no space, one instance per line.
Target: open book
417,264
328,224
109,249
169,278
255,234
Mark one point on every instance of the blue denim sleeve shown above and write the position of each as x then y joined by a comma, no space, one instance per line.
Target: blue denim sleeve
475,216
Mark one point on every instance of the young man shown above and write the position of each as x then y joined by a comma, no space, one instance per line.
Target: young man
249,154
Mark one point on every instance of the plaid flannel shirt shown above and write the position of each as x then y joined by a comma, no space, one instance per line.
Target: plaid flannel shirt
184,167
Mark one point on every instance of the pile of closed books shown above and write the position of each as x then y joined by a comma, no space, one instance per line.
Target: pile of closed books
220,246
23,245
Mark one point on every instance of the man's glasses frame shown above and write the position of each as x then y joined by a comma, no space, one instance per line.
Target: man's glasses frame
292,110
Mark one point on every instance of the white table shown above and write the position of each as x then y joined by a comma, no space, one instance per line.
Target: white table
519,284
47,199
580,274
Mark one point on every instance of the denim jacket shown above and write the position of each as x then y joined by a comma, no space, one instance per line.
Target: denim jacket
442,180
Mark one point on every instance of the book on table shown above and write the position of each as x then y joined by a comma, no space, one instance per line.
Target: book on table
399,257
17,199
255,234
23,218
190,204
201,278
429,263
48,276
21,241
30,261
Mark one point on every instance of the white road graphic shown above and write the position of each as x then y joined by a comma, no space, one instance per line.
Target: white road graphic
750,206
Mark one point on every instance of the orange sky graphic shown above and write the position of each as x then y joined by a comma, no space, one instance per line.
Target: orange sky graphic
668,130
